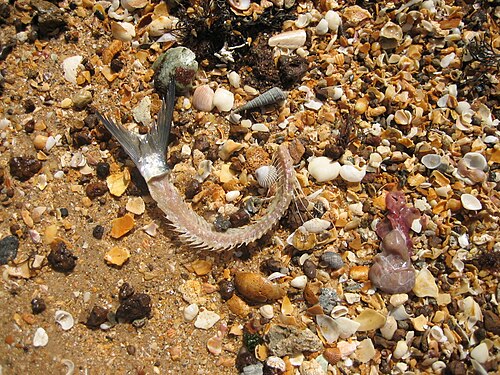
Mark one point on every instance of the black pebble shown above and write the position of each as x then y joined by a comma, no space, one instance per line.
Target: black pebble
97,316
102,170
64,212
126,291
98,232
226,289
23,168
193,187
38,305
8,248
61,259
136,307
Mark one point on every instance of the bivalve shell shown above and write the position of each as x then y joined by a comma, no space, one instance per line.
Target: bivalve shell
431,161
352,174
64,319
475,160
266,175
240,4
470,202
328,328
123,31
203,98
323,169
391,35
289,39
223,99
316,225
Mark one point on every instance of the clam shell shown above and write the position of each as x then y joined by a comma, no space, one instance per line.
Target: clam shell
328,328
431,161
64,319
323,169
475,160
470,202
223,99
346,327
334,21
123,31
303,20
288,39
240,4
266,175
350,173
370,319
316,225
203,98
322,27
392,31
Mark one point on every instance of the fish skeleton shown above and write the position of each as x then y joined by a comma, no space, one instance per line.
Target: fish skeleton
148,151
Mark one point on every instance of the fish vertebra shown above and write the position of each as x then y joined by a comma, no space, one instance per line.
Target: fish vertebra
148,153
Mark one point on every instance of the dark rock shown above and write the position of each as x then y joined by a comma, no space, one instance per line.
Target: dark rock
96,189
260,59
29,105
221,224
491,322
328,299
297,150
271,265
50,19
61,259
8,249
24,167
116,65
193,187
201,143
284,341
245,358
226,289
64,212
291,69
81,139
98,232
138,184
136,307
102,170
97,316
239,218
309,269
456,368
332,260
38,305
126,291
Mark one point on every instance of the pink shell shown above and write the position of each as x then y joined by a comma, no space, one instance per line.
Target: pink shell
203,98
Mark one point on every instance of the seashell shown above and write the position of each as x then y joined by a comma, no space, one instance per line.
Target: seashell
135,205
332,355
398,299
400,350
346,327
365,351
190,312
228,148
117,256
70,66
462,107
350,173
232,195
331,260
399,313
391,35
322,27
234,79
64,319
203,98
354,15
431,161
134,4
123,31
316,225
40,338
259,127
339,311
369,320
361,105
437,334
299,282
206,319
303,20
425,284
480,353
446,60
266,175
276,363
475,160
302,240
70,366
223,99
118,182
470,202
323,169
122,225
267,311
389,328
288,39
403,117
328,328
240,4
334,21
271,96
161,25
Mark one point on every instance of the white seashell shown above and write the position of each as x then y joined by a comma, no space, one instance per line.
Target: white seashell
204,170
352,174
398,299
232,195
346,327
403,117
299,282
338,311
322,27
401,349
470,202
276,363
123,31
303,20
70,66
206,319
399,313
462,107
431,161
316,225
365,351
234,79
297,360
267,311
288,39
323,169
70,366
223,99
203,98
480,353
240,4
266,175
334,21
490,139
337,93
64,319
191,311
160,26
259,127
443,101
446,61
437,334
390,327
475,160
41,338
328,328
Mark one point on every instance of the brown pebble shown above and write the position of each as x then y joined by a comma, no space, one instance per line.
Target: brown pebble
28,318
309,295
359,273
23,168
96,189
122,226
60,258
315,310
136,307
296,150
97,316
193,187
332,355
238,306
256,288
491,322
309,269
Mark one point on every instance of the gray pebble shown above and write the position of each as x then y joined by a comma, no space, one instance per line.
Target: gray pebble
332,260
8,249
328,299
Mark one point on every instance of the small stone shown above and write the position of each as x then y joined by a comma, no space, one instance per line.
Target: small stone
299,282
126,291
23,168
292,69
290,340
332,260
96,189
98,232
328,299
38,305
122,225
309,269
238,306
135,205
491,322
254,287
60,258
81,99
239,218
41,338
206,319
8,249
102,170
117,256
457,368
191,311
50,19
193,187
323,169
255,369
177,63
98,315
425,284
136,307
226,289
